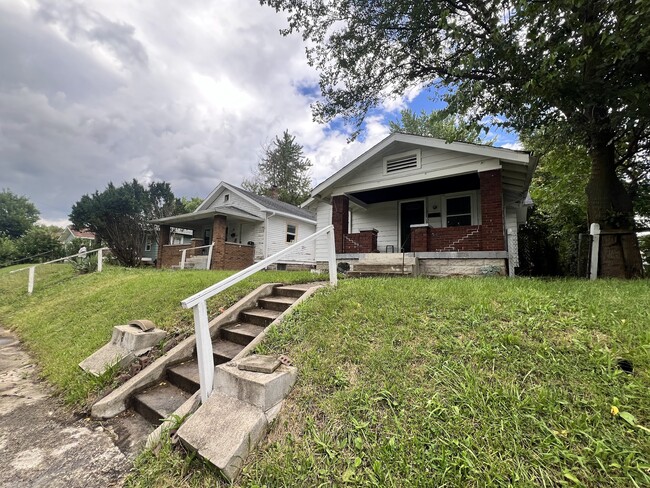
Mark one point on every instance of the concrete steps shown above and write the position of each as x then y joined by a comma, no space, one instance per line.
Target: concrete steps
181,380
384,265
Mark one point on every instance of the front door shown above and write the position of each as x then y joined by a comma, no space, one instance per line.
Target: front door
410,213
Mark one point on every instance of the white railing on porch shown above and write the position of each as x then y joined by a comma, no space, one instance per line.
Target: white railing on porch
198,303
32,269
184,254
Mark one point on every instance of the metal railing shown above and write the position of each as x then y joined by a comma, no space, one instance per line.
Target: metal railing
32,269
184,254
198,303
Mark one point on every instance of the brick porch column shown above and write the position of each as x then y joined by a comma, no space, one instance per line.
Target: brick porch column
219,239
420,238
340,220
163,239
492,225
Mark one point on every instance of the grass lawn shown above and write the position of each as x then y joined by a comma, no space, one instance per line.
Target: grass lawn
415,382
69,316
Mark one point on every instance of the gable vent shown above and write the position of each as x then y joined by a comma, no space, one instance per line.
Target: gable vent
402,162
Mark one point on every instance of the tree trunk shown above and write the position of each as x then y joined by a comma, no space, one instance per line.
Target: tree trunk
609,205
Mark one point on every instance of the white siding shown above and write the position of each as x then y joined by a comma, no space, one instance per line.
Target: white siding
277,238
323,218
371,174
254,232
380,216
235,200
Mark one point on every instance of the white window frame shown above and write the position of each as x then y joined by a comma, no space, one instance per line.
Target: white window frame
226,197
148,244
287,233
473,202
418,156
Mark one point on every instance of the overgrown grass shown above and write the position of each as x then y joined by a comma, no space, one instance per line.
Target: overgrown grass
464,382
69,316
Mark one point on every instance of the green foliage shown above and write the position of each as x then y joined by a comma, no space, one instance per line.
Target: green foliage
120,216
40,244
84,265
188,205
439,124
17,214
8,251
282,169
644,244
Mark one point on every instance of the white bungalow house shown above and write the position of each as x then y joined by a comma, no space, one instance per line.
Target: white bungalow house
69,235
452,208
244,228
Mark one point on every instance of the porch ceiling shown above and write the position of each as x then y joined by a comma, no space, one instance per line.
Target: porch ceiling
206,216
420,189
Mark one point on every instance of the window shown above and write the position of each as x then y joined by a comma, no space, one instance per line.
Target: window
459,211
226,197
291,232
147,244
401,162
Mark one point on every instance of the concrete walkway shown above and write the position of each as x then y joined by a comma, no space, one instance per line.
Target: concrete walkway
41,443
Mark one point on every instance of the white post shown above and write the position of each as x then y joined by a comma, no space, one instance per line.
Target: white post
183,258
207,265
594,230
30,280
100,260
331,247
203,350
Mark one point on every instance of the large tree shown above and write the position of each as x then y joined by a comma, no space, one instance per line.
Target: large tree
283,171
120,216
17,214
581,67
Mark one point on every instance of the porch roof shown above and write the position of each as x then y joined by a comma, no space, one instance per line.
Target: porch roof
205,215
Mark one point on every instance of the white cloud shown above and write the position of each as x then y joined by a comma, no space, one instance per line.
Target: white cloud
186,92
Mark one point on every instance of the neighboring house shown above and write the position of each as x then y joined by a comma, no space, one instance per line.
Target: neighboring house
176,236
454,207
244,228
69,235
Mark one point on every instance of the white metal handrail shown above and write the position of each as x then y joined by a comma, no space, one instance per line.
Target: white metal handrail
32,269
184,253
198,303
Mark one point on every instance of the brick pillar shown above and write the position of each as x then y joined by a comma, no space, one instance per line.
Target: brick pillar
164,236
492,225
219,239
340,220
420,238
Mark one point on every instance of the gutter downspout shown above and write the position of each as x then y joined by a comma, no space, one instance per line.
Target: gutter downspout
266,233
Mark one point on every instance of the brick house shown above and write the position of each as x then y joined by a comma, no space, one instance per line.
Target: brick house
244,228
452,208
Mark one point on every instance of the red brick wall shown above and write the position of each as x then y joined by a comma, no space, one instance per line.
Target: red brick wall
340,220
461,238
420,237
170,255
238,256
492,228
364,241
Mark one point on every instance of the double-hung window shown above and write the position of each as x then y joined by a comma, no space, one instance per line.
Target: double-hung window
459,211
291,233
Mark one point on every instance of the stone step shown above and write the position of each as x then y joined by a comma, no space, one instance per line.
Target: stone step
159,402
240,332
223,431
295,291
371,274
278,303
224,351
185,376
259,316
376,268
388,259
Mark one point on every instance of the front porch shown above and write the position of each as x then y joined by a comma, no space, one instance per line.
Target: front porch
228,234
457,214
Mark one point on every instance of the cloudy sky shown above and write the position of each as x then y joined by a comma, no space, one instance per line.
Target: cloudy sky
182,91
